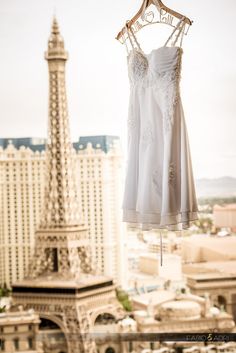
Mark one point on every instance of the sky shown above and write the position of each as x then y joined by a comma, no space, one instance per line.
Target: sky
96,73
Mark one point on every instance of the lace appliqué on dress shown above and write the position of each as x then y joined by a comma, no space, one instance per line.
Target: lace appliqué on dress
157,181
171,175
137,65
169,86
169,100
131,121
147,136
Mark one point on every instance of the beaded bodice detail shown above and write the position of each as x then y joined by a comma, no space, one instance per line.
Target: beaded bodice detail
137,65
165,67
160,70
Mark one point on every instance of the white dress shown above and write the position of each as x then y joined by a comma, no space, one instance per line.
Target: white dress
159,188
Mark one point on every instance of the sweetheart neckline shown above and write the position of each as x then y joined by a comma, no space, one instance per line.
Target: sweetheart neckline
153,50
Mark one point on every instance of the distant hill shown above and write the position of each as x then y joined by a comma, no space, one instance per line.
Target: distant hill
220,187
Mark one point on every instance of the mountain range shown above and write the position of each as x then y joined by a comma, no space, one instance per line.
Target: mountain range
218,187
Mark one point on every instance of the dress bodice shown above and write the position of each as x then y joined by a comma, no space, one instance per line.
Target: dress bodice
149,69
160,72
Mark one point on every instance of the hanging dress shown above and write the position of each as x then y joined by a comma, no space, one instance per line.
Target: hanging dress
159,187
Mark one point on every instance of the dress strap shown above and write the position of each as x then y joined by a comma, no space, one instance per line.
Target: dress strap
177,27
135,39
123,37
132,38
180,33
128,34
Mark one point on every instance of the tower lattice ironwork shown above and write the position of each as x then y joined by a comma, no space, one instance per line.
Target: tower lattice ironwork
62,285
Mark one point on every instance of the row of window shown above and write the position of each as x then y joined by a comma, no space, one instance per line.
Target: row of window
16,328
16,343
22,164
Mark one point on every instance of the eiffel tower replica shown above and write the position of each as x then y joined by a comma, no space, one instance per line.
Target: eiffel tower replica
62,285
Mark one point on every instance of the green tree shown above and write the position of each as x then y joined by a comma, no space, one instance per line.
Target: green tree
2,309
5,291
204,224
123,298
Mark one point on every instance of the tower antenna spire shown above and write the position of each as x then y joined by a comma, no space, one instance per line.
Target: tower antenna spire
54,11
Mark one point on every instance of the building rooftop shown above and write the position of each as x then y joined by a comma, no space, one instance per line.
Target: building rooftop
34,143
211,270
18,317
209,248
56,284
155,297
228,207
104,142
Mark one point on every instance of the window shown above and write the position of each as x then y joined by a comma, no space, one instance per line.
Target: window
110,350
16,343
55,259
2,345
30,343
152,345
130,346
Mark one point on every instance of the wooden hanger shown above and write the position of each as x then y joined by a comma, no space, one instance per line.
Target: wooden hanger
161,8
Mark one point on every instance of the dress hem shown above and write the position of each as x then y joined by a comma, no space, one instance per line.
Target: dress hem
175,221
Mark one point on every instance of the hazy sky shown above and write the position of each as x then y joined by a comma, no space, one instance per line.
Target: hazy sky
97,82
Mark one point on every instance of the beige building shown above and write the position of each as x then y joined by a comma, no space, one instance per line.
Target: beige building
203,248
22,169
154,246
21,195
170,270
209,264
218,279
166,311
18,332
170,242
225,216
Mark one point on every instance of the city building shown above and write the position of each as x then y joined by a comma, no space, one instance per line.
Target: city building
21,199
174,312
168,243
218,279
63,283
209,264
204,248
135,248
170,270
225,216
18,332
145,272
22,171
